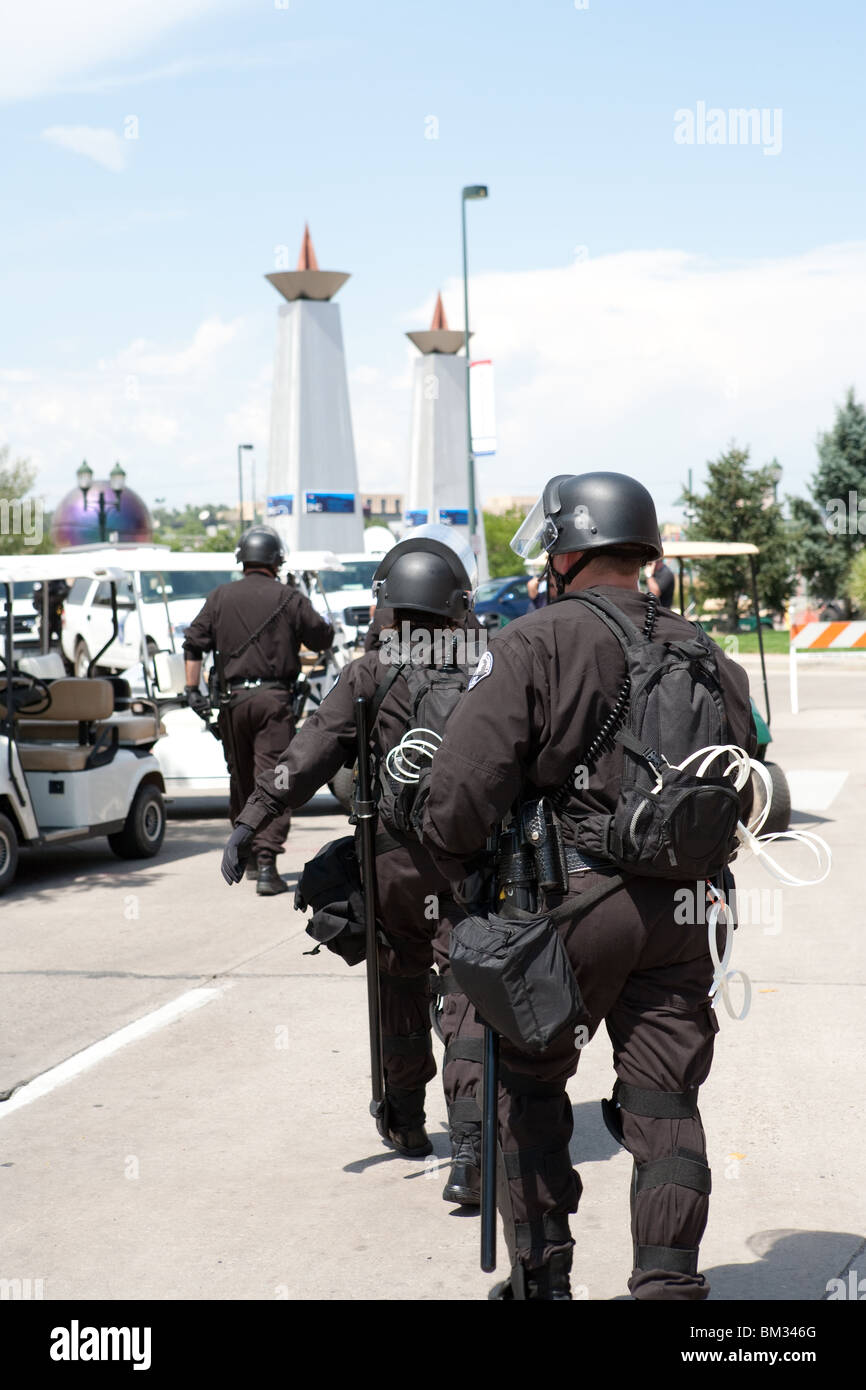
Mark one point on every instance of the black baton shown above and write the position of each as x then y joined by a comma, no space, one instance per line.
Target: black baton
365,817
489,1142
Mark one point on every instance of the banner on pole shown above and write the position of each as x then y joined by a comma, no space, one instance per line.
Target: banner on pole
483,408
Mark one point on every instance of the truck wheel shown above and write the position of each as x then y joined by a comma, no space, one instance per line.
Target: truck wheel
142,835
81,660
341,786
8,853
780,800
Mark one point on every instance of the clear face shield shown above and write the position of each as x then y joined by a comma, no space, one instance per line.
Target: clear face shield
537,534
456,541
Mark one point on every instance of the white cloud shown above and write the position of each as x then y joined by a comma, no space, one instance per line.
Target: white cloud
163,410
97,143
652,361
48,42
269,56
207,342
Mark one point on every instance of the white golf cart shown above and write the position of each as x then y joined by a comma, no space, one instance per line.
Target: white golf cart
76,757
189,752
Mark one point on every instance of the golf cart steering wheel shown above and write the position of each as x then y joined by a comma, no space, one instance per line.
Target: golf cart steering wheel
21,682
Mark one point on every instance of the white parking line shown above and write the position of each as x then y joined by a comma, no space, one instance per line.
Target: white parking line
814,791
83,1061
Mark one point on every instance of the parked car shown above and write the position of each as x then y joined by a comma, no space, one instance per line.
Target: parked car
498,601
347,593
172,585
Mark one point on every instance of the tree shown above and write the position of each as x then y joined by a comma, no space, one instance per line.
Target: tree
857,581
498,530
831,527
24,528
738,505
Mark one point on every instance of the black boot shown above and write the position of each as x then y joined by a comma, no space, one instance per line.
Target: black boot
464,1181
402,1125
252,869
547,1283
269,882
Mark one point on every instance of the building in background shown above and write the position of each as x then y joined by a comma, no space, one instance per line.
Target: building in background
312,499
386,507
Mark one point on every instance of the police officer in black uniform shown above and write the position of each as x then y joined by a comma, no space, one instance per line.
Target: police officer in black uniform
255,627
548,685
425,582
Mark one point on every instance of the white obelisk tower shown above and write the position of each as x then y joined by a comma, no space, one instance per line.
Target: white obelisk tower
438,467
312,475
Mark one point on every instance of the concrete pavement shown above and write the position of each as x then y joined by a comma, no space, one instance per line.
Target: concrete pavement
229,1153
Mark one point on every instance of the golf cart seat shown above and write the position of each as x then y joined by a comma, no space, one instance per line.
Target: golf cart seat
80,727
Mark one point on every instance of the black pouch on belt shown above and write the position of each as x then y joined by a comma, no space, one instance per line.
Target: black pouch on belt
331,884
516,971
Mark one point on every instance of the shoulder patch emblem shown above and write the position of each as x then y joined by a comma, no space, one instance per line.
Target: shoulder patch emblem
484,667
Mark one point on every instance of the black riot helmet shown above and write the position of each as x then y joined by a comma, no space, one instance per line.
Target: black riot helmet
433,570
590,511
261,545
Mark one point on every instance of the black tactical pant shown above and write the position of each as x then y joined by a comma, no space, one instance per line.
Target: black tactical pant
646,977
261,727
415,908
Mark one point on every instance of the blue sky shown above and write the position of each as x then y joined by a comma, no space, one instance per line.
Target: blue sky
253,118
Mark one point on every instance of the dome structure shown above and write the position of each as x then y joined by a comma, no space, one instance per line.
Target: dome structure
75,523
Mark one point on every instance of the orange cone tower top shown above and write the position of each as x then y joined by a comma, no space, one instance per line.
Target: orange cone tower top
438,337
308,281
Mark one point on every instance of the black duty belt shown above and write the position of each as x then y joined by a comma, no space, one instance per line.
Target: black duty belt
261,685
578,863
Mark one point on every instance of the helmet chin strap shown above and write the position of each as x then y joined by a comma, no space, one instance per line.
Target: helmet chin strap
561,581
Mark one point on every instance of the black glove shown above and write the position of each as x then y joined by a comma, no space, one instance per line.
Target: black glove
236,853
198,703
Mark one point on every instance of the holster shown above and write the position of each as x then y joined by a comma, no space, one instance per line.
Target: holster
541,833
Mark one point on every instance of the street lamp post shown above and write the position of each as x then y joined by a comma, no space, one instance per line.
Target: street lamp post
117,478
241,447
470,193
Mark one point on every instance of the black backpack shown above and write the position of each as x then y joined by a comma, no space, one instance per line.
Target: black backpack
666,823
435,693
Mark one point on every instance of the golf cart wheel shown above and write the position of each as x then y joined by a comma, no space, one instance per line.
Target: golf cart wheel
81,660
341,785
780,800
142,835
8,853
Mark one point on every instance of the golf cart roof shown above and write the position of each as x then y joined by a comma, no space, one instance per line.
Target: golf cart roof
152,557
18,569
706,550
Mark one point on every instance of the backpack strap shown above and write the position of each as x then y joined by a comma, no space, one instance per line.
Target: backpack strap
577,908
627,635
381,691
272,617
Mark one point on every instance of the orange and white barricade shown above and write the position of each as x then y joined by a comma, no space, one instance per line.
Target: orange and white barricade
823,638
